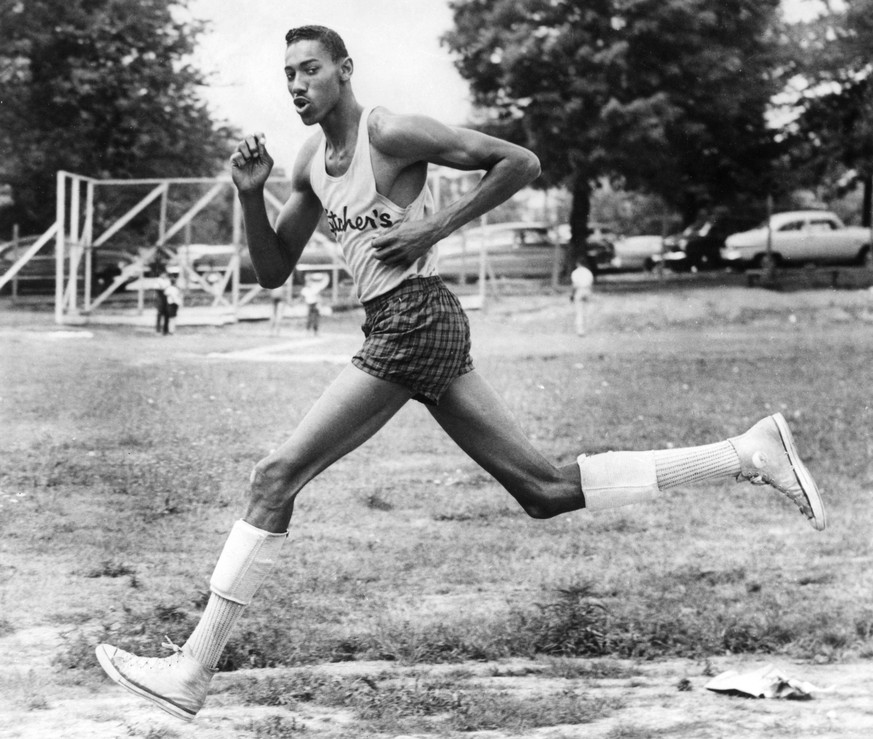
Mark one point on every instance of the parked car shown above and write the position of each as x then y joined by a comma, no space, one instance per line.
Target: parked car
37,275
637,252
211,260
800,237
599,245
516,249
699,246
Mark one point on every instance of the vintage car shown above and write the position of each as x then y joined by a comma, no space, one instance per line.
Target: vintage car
37,275
600,243
637,252
516,249
211,261
798,238
699,246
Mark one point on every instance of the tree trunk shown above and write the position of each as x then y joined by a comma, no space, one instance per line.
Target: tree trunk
867,203
580,210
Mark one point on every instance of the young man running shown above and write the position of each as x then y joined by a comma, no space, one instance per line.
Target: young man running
366,170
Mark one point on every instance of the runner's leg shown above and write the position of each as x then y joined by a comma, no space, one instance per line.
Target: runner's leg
476,417
479,421
352,409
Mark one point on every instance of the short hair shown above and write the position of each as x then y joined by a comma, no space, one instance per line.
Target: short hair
327,36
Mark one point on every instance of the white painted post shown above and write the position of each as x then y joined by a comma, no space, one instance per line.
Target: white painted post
15,238
87,239
237,245
60,216
75,246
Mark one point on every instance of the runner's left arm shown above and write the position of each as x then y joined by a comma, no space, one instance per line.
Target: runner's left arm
508,168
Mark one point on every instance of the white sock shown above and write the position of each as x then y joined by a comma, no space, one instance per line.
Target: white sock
246,560
209,639
675,467
616,479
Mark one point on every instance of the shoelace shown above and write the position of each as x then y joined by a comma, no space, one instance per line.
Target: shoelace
149,664
797,497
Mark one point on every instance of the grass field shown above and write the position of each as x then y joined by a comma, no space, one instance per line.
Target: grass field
125,458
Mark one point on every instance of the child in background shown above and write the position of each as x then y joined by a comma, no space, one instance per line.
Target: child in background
174,301
583,284
277,298
312,297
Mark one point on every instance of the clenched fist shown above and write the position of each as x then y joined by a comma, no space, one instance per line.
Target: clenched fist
251,163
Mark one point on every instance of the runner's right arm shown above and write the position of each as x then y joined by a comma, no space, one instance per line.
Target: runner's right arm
274,252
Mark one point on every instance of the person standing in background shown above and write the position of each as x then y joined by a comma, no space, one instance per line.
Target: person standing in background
161,285
312,298
582,280
173,296
277,301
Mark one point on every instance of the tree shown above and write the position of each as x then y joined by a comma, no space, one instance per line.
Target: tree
102,88
665,95
832,134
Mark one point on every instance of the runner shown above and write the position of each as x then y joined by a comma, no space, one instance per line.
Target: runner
366,170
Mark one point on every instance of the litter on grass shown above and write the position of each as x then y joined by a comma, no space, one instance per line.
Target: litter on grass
767,682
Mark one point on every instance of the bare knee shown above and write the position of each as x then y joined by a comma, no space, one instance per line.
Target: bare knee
551,498
534,501
273,487
540,508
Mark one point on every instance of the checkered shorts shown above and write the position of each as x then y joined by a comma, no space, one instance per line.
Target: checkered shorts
417,335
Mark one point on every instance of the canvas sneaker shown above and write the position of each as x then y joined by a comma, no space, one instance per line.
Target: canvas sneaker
178,683
768,456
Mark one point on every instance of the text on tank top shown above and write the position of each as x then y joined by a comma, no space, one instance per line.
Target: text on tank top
356,213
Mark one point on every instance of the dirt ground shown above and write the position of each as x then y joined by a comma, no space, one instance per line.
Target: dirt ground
661,699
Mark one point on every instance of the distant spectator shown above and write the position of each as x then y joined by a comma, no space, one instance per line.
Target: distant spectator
174,301
583,285
312,297
277,299
161,285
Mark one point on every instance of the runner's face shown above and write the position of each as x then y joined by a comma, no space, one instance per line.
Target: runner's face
314,79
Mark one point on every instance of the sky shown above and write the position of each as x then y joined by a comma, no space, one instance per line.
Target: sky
399,62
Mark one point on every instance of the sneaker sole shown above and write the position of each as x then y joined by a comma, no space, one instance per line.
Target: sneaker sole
105,659
804,479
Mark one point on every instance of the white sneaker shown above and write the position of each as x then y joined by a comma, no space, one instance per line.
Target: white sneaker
769,456
178,683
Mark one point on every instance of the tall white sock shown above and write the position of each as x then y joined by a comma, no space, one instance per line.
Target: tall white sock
208,640
248,556
684,466
616,479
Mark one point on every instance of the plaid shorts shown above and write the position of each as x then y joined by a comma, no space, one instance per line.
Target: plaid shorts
417,335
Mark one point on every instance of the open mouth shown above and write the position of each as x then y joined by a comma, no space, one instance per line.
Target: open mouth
301,104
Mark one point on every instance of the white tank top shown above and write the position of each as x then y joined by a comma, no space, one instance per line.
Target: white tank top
356,212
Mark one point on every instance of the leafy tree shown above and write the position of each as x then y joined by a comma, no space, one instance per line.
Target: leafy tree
98,87
833,132
665,95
